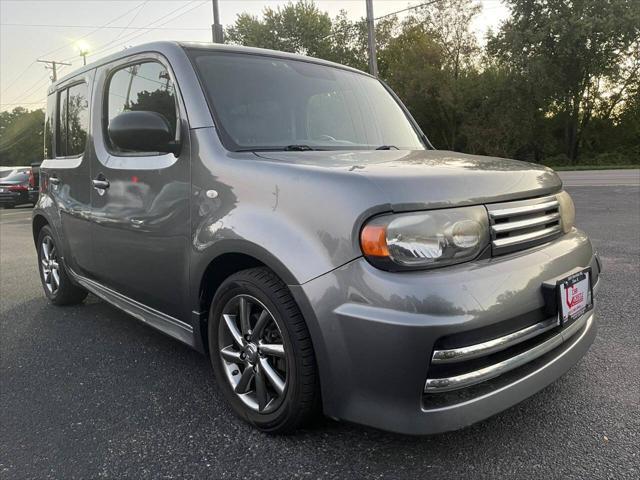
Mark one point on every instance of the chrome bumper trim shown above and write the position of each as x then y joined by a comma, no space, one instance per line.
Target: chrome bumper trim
463,354
434,385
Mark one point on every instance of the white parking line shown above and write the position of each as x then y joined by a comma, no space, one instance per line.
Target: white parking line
15,214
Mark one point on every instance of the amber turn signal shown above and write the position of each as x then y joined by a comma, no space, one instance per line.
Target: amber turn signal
373,241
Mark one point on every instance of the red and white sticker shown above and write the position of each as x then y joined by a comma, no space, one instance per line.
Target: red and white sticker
575,296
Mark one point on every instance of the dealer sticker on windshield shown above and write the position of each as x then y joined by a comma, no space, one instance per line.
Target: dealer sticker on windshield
574,296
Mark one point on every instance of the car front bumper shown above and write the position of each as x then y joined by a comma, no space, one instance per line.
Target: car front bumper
375,332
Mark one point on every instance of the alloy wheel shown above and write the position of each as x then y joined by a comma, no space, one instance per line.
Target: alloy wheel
50,265
253,353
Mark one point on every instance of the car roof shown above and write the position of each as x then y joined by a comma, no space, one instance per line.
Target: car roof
166,47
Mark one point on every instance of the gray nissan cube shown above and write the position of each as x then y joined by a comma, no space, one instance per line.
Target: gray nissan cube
287,217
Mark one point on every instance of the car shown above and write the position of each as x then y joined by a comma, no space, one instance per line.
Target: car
4,171
287,217
17,186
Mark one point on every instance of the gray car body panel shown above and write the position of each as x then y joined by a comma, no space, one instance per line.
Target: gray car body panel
300,213
375,330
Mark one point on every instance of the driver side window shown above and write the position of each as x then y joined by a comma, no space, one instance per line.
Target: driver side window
143,86
328,114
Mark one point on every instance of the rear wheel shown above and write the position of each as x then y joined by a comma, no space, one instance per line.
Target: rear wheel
57,285
261,352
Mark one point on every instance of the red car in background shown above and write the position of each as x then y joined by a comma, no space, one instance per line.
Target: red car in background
19,185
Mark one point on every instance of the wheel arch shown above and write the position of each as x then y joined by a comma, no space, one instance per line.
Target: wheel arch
231,257
37,223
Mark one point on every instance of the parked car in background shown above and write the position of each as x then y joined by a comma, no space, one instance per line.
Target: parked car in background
4,171
18,186
287,217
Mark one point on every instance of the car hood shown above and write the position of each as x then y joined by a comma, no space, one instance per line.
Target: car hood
414,180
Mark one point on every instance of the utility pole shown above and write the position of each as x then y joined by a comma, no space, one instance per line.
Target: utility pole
371,30
216,29
53,66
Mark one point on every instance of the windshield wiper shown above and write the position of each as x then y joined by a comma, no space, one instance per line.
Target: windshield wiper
298,148
387,147
288,148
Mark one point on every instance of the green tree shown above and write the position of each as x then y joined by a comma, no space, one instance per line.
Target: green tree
559,79
21,136
297,27
569,51
431,62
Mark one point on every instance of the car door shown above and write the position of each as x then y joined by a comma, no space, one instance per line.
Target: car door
66,168
140,200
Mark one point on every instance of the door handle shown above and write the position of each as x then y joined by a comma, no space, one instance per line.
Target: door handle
100,184
54,180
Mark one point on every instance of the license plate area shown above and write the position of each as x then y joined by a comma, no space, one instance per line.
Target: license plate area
574,296
569,296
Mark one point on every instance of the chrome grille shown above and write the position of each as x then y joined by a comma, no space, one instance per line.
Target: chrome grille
523,224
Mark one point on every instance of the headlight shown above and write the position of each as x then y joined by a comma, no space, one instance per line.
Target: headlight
426,239
567,211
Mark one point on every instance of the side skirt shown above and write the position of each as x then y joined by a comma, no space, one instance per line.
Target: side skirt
166,324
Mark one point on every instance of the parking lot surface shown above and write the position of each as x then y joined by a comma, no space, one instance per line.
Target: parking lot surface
88,392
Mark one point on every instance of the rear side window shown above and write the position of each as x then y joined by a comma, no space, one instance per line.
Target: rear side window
73,121
143,86
48,126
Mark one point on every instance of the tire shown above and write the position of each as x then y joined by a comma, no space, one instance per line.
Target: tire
61,291
265,407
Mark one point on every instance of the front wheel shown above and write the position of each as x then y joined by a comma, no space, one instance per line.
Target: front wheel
261,352
57,285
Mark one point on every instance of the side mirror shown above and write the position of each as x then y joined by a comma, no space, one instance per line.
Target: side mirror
142,131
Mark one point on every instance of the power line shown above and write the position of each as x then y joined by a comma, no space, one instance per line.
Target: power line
32,87
53,66
41,82
48,25
131,21
364,20
93,31
18,77
15,80
413,7
129,37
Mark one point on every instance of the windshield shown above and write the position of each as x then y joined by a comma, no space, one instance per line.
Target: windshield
269,103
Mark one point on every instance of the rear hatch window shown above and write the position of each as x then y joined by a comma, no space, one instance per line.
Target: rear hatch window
16,176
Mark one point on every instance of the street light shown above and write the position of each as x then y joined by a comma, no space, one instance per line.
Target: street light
83,48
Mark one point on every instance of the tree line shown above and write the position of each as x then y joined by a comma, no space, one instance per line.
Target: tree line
557,83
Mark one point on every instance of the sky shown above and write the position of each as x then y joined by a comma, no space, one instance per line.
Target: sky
55,30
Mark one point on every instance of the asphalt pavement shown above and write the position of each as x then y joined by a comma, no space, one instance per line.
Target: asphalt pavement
607,178
88,392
